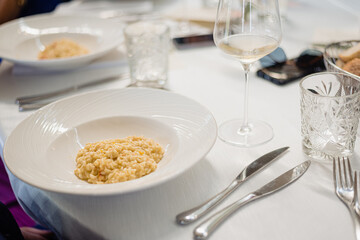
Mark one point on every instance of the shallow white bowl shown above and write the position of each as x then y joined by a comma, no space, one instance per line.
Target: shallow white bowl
22,39
41,150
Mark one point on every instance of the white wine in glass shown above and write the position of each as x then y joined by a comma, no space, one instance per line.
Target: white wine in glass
247,30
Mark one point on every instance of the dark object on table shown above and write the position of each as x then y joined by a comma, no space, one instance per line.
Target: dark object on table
32,7
285,71
189,42
8,226
12,9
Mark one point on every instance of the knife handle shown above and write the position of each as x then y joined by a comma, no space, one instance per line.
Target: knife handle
34,98
193,214
31,106
205,228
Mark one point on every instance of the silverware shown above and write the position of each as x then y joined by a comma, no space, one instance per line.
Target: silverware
344,188
356,204
32,106
36,105
204,230
357,192
35,98
196,212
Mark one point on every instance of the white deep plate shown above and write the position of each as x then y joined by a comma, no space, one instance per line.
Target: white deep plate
22,39
41,151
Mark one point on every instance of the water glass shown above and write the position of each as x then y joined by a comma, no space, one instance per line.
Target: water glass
147,45
330,110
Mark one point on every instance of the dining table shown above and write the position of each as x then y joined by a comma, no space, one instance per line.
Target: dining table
307,209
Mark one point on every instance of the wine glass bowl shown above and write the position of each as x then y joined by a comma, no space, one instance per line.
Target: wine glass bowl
247,30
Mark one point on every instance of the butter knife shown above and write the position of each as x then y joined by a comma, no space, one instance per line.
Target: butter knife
193,214
35,98
204,230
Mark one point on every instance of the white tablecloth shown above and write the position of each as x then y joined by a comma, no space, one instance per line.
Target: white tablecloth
308,209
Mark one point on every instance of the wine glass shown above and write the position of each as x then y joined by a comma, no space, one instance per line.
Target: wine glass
247,30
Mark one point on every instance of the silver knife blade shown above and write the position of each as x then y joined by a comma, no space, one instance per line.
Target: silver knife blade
193,214
260,163
283,180
204,230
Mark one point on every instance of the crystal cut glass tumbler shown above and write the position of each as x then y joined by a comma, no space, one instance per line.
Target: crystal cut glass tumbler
330,110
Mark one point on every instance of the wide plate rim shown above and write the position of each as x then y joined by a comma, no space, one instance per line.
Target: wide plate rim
87,192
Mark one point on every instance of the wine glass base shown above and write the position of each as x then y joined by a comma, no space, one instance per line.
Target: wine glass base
258,133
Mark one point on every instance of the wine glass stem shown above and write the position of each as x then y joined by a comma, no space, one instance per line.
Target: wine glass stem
245,128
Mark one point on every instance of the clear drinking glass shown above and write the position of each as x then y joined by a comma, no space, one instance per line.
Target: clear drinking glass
247,30
147,45
330,110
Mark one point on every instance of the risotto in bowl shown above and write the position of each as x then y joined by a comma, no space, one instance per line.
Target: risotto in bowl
118,160
110,142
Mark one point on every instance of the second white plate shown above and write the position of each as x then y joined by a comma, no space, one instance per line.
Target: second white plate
24,38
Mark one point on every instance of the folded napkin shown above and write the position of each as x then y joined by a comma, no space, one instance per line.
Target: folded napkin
329,35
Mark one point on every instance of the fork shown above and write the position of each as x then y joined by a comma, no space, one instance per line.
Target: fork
344,188
357,192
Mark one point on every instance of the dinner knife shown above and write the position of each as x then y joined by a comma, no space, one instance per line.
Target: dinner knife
35,98
204,230
193,214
